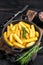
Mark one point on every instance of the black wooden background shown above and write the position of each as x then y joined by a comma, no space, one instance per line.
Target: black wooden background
15,3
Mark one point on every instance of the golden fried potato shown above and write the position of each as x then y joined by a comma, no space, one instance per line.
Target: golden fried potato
8,42
30,40
16,44
36,34
16,30
11,25
20,28
32,31
8,31
13,28
18,33
17,39
30,44
11,37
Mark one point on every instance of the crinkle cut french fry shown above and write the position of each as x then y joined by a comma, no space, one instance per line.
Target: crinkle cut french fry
36,34
13,28
20,28
11,37
33,30
30,44
31,33
30,40
24,27
16,44
16,30
8,31
11,25
18,33
8,42
17,39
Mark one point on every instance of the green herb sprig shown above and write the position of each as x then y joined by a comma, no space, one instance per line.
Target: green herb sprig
24,32
25,57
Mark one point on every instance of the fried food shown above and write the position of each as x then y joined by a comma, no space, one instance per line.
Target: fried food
21,35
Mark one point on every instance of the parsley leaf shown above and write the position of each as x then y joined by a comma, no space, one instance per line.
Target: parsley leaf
24,32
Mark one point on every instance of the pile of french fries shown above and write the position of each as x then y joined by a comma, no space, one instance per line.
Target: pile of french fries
13,35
